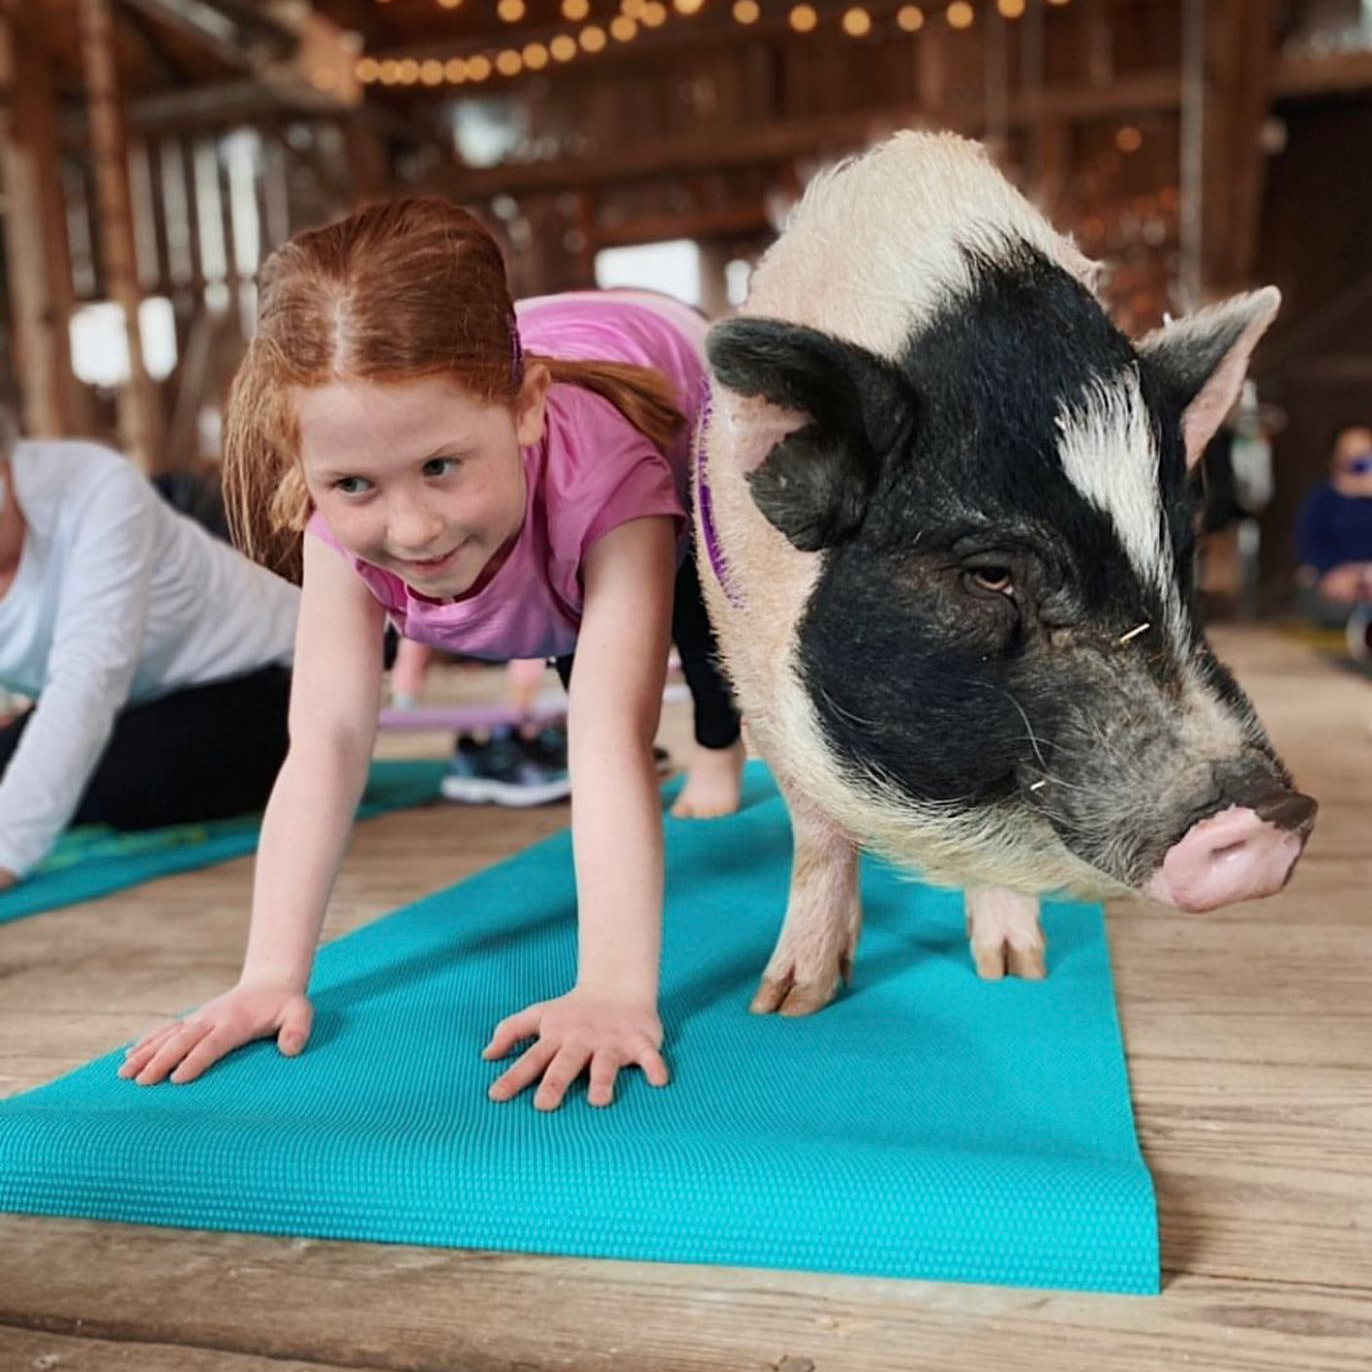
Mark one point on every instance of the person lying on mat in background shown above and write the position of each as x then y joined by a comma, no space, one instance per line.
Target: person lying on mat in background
495,502
149,709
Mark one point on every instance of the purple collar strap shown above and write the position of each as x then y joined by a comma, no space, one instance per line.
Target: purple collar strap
705,504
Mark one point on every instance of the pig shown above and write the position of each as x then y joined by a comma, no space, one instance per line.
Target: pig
947,534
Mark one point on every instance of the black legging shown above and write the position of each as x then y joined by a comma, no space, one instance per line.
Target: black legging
716,720
206,752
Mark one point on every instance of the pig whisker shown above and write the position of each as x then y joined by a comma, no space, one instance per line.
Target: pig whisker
846,713
1133,633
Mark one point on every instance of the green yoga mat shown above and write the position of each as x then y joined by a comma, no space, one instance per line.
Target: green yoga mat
927,1124
93,860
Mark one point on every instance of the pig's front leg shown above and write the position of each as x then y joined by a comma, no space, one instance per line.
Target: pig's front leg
823,916
1004,929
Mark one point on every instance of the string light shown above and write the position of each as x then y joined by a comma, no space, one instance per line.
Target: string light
857,23
1128,139
803,18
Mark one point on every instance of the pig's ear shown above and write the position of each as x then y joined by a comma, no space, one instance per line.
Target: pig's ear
815,483
1203,359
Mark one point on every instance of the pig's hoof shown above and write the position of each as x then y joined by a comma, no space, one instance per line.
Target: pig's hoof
1004,959
1004,930
786,996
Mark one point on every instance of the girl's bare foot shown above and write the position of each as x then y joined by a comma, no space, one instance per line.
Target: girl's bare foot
712,783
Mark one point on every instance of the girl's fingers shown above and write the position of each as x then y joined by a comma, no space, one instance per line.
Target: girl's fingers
604,1069
295,1027
528,1068
205,1053
654,1068
136,1056
171,1052
562,1072
509,1032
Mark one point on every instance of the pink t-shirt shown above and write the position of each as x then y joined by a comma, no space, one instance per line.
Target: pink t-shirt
590,472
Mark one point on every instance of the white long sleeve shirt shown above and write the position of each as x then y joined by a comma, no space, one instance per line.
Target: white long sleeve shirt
117,600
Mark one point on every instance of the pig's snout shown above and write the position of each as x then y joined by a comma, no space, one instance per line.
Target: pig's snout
1240,853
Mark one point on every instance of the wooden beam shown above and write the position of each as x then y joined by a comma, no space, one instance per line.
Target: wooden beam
237,36
40,281
739,219
140,417
1242,46
799,138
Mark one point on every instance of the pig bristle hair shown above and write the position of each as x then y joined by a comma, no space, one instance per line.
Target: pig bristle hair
879,240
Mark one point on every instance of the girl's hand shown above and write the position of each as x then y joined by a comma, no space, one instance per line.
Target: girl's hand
573,1031
186,1047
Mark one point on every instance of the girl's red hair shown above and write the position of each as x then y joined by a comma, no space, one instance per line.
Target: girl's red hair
398,291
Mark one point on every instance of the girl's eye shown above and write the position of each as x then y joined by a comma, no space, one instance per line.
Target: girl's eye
352,485
439,466
999,580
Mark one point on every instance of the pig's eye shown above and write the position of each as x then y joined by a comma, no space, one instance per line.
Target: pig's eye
998,580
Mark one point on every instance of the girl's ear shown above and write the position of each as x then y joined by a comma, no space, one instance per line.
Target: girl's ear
530,404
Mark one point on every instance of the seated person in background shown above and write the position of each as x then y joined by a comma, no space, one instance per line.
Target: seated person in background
158,657
1334,532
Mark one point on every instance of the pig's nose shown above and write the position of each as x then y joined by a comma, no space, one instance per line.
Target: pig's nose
1239,854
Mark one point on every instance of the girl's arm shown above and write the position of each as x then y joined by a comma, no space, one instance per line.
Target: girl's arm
609,1019
335,699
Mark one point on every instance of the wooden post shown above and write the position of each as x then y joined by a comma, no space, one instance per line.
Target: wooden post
1240,57
140,418
55,403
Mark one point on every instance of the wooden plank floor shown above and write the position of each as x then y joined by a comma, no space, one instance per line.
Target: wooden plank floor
1249,1034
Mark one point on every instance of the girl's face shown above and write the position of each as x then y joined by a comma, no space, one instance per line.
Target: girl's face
418,477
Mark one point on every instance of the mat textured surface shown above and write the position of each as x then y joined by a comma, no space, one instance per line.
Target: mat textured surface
926,1124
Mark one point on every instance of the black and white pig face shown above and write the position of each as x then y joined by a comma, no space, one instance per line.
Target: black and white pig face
1002,617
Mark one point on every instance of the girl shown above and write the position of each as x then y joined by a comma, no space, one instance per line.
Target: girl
502,486
149,711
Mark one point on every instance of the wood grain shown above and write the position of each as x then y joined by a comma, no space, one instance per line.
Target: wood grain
1249,1035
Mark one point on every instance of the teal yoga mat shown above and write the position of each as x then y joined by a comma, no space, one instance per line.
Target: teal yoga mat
92,861
926,1124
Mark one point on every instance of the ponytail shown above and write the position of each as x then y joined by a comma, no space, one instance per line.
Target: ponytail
640,394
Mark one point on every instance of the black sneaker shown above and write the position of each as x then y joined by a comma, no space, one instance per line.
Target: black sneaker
505,770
